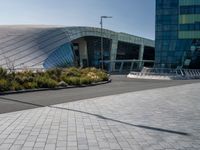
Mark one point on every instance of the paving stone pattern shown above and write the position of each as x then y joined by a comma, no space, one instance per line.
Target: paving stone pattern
158,119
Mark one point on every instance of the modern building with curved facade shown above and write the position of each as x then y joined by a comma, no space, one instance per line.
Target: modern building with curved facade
28,46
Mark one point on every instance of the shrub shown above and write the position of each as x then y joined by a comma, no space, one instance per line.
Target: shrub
19,79
103,76
65,78
30,85
54,73
26,73
85,80
44,82
23,79
10,76
85,71
75,80
3,72
39,73
56,78
95,74
15,86
72,80
72,72
4,85
29,73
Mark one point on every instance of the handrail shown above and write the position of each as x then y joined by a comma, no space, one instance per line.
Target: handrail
127,60
178,73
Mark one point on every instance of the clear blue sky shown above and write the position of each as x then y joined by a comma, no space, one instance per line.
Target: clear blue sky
131,16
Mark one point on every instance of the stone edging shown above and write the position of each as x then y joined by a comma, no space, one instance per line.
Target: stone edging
58,88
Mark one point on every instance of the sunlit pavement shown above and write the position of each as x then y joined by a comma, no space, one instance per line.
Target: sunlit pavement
165,118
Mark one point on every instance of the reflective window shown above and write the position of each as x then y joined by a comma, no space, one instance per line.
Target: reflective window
94,50
127,51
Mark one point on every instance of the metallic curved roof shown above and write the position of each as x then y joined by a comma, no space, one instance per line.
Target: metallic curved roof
30,45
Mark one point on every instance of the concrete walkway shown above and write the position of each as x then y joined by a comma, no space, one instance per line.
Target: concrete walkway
158,119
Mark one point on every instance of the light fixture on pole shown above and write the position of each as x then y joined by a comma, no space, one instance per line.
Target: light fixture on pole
101,23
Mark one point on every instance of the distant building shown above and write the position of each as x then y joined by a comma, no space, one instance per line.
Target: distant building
51,46
177,33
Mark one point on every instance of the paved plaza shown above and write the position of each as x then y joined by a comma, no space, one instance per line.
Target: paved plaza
155,119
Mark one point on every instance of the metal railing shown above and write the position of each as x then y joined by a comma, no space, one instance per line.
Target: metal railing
165,73
191,73
126,65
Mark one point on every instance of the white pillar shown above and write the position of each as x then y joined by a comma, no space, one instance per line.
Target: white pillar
113,53
141,54
83,51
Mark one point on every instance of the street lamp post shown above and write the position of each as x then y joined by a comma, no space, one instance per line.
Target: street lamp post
101,23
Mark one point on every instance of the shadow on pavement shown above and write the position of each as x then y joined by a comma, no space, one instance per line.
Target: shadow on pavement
101,117
18,101
110,119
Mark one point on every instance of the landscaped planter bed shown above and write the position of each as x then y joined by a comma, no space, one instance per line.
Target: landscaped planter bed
17,82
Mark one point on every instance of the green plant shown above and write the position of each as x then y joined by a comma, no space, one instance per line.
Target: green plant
85,80
30,85
23,79
15,86
3,72
10,76
71,80
75,80
54,73
103,76
44,82
26,73
72,72
4,85
95,74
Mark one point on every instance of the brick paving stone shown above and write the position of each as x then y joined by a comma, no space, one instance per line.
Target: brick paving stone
38,148
158,119
61,148
5,146
50,147
27,148
39,145
16,147
29,144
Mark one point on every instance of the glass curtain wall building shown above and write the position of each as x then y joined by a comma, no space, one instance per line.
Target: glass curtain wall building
36,46
177,33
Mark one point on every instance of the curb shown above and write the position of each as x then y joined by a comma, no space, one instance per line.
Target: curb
54,89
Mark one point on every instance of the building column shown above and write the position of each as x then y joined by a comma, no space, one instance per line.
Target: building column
141,54
83,52
113,53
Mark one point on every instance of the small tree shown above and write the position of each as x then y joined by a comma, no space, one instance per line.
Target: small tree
10,64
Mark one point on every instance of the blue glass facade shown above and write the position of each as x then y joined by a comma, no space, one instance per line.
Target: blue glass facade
177,33
60,58
94,50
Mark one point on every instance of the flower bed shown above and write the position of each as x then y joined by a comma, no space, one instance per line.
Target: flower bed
52,78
